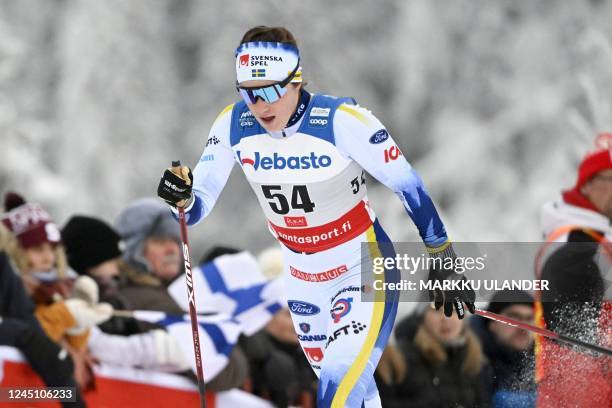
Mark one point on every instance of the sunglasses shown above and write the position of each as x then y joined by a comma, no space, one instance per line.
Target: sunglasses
268,93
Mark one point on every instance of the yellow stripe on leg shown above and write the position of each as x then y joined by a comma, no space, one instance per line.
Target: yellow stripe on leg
352,375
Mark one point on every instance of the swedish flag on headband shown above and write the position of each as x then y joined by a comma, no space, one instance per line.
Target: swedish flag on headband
258,73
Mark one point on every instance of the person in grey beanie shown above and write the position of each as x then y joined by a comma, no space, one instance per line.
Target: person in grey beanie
151,237
153,260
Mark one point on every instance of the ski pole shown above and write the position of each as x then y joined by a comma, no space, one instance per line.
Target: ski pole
542,332
193,314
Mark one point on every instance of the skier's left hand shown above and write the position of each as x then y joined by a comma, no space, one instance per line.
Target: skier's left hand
451,299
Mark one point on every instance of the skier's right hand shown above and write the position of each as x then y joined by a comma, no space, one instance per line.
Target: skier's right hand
175,186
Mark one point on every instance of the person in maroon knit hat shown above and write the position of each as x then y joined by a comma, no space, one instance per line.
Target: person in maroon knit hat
574,260
42,261
30,223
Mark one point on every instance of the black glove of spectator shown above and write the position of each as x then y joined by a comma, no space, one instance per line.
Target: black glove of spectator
459,291
175,189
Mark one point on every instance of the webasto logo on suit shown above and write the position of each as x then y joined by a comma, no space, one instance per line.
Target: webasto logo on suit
280,162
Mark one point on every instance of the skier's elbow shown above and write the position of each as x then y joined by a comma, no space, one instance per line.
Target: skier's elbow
406,183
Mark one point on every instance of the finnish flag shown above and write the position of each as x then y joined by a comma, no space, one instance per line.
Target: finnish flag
233,285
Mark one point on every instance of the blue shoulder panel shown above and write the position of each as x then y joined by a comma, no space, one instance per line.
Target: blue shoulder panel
243,123
319,120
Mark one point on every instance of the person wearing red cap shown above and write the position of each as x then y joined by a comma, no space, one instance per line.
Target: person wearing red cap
593,188
574,260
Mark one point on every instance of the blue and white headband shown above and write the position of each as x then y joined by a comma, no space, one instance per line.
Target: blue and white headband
272,61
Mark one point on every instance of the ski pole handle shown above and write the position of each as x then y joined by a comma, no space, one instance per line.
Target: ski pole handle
176,169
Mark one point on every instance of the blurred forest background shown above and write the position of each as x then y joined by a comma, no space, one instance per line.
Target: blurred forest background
494,102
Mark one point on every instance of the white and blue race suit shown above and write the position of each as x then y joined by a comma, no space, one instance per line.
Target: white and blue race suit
310,182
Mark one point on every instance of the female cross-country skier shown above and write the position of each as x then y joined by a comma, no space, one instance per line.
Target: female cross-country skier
305,156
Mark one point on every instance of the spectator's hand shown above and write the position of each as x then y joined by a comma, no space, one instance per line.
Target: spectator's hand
168,352
460,291
83,368
175,186
87,314
86,288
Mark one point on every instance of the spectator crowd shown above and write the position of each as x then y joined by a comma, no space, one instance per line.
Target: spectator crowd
61,289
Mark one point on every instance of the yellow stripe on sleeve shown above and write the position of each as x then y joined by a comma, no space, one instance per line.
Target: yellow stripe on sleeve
224,111
435,250
355,113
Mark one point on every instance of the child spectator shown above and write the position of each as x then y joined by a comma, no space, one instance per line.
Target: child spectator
66,308
20,329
